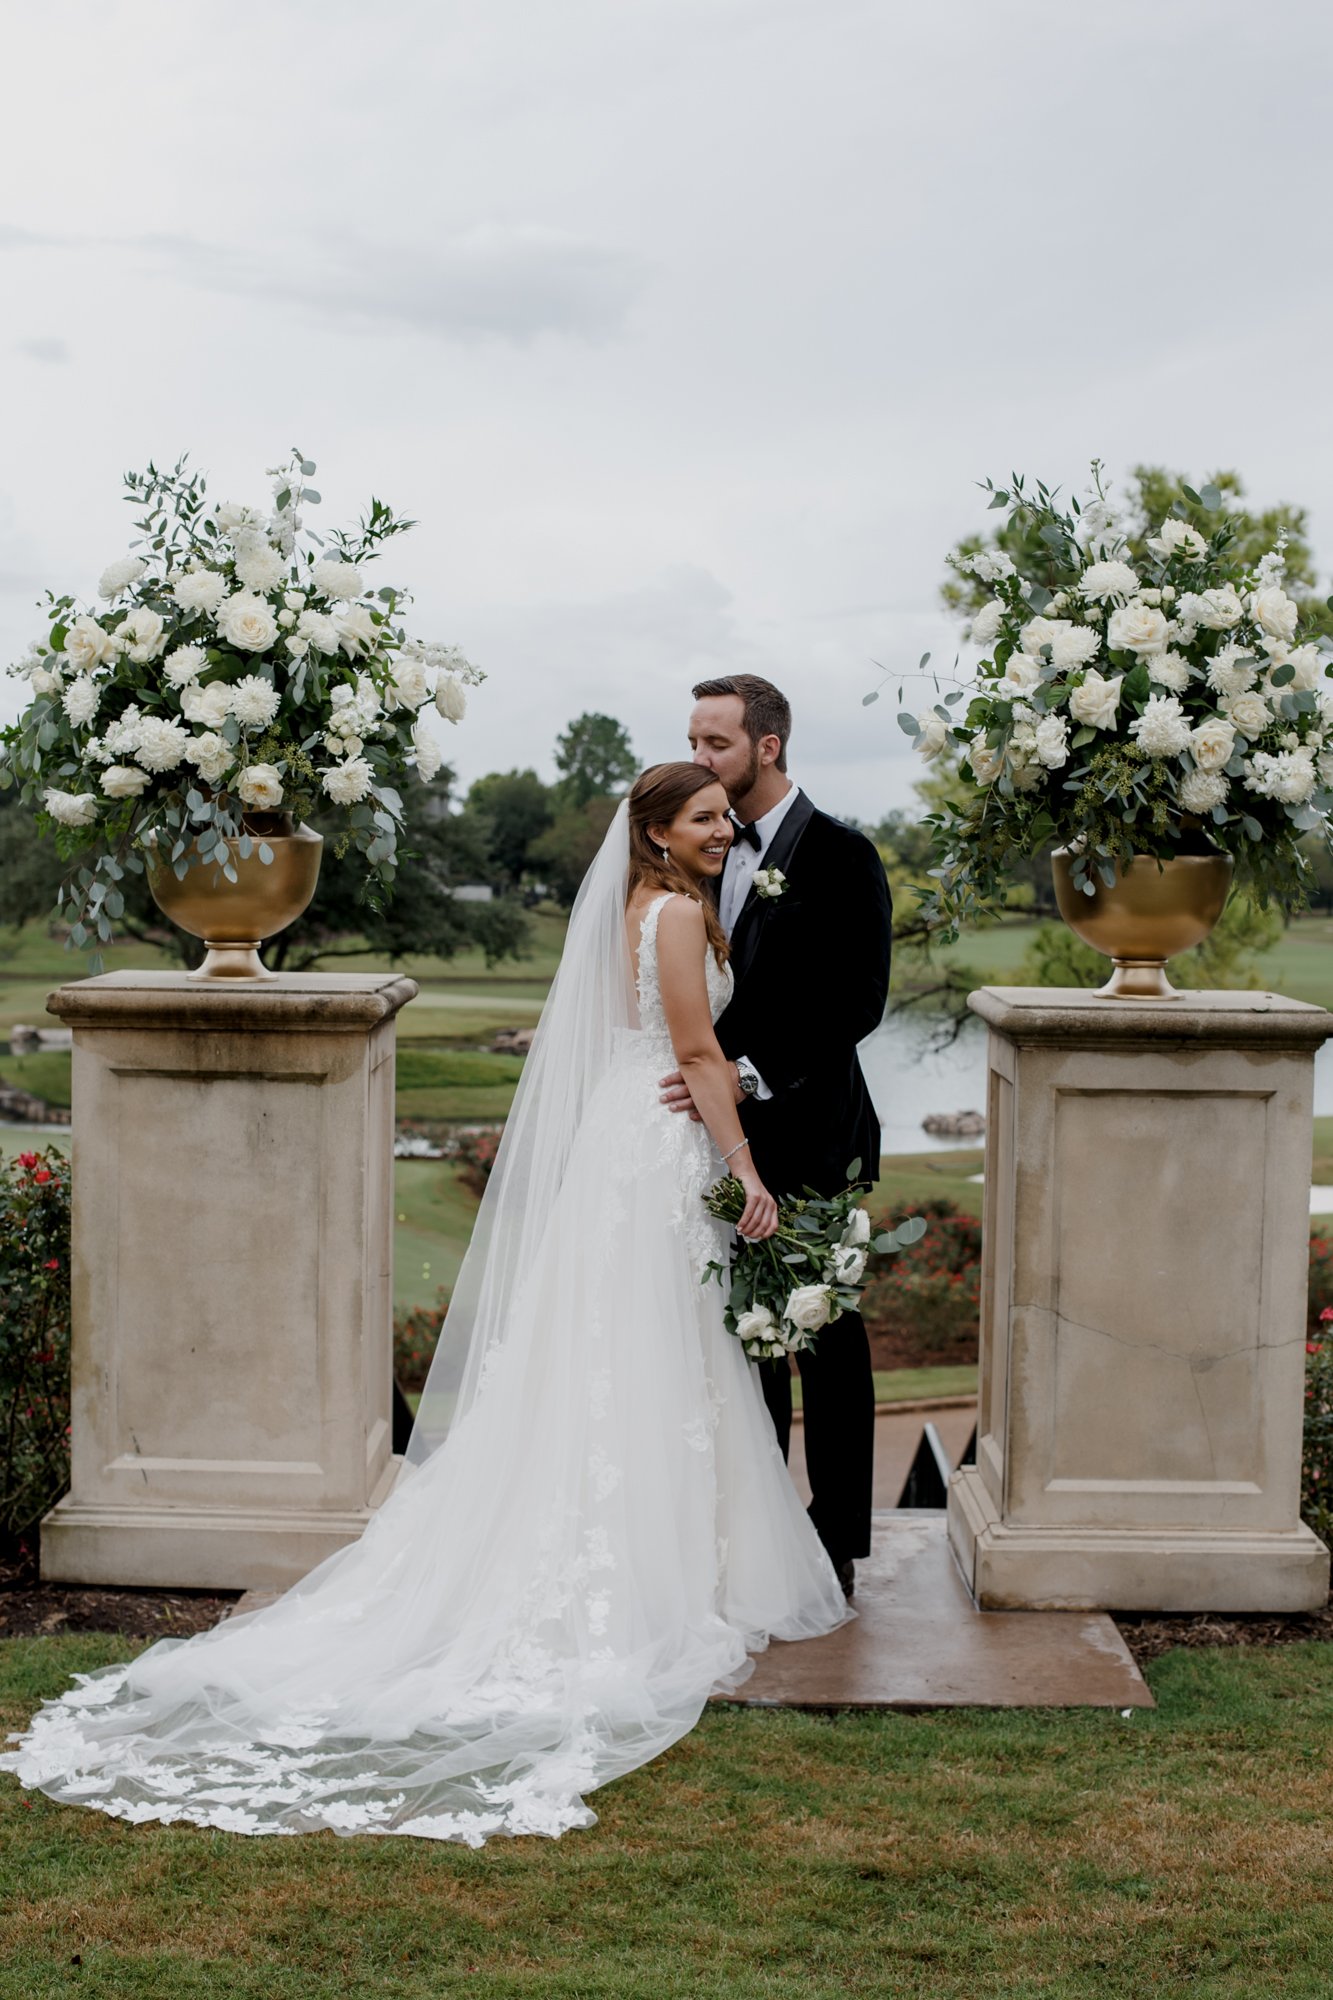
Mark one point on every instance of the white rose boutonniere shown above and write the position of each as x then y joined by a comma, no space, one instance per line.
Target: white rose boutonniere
770,882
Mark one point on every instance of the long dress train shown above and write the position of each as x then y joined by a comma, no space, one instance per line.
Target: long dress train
543,1604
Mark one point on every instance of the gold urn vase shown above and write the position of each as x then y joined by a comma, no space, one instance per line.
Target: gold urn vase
234,918
1155,909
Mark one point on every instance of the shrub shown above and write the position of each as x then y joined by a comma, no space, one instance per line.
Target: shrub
476,1153
1321,1285
34,1337
415,1333
1317,1458
930,1292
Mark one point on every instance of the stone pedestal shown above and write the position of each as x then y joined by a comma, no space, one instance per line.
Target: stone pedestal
232,1276
1143,1306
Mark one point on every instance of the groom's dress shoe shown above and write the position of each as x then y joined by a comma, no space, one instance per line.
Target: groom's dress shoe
847,1577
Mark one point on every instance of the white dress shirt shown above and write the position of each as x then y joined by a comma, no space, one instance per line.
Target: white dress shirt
743,863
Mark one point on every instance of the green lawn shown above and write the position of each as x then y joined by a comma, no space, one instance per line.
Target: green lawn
433,1217
956,1855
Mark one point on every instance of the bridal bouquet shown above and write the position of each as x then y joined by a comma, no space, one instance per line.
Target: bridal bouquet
236,666
1161,705
783,1291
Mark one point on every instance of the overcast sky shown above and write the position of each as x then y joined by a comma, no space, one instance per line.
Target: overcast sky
684,327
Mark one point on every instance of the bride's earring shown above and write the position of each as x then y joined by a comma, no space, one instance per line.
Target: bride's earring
666,854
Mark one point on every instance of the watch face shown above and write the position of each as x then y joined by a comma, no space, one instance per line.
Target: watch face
749,1082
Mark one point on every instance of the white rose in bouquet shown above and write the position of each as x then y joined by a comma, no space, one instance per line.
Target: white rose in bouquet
87,645
211,755
142,634
932,734
1052,742
1039,632
259,566
184,664
858,1227
253,701
261,785
986,624
80,700
71,808
199,590
986,763
161,744
347,784
1217,609
1200,791
1212,742
451,698
318,630
210,705
1103,580
756,1324
1020,676
337,580
1169,670
427,749
1175,538
849,1264
411,683
123,781
1307,663
1277,613
45,682
808,1308
1095,702
357,631
117,577
1249,712
1163,729
1137,628
247,622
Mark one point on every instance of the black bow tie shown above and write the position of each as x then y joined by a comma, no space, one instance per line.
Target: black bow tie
750,833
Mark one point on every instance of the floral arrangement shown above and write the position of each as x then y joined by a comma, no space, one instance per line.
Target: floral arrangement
34,1337
783,1291
237,666
1169,706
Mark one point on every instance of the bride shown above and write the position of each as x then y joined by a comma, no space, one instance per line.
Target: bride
593,1526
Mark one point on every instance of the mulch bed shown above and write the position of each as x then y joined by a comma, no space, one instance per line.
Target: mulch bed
31,1609
902,1349
1149,1636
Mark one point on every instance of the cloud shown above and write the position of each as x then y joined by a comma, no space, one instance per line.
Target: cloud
43,347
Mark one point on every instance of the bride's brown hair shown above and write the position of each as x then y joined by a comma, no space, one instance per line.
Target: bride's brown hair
657,796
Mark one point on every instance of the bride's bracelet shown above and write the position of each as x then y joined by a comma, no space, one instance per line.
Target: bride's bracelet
735,1149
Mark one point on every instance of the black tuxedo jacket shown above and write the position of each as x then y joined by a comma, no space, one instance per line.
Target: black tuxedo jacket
812,979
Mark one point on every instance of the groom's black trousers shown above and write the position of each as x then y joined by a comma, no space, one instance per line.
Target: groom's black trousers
838,1397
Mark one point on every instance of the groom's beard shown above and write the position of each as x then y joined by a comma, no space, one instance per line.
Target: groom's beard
748,779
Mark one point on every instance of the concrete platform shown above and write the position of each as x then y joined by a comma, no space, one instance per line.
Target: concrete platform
919,1642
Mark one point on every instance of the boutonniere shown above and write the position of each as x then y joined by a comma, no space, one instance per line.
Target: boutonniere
770,882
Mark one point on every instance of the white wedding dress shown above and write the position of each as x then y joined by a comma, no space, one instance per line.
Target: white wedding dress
547,1600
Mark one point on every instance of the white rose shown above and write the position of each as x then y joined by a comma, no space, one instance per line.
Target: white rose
319,631
118,576
1274,611
259,566
1249,712
247,622
357,630
1103,580
142,633
184,664
858,1227
1212,743
298,647
286,619
1218,609
199,590
987,622
71,808
211,755
80,700
253,701
1096,701
294,600
808,1308
123,781
427,749
261,785
1170,670
1024,777
347,784
1309,664
849,1264
1020,676
86,646
1039,632
986,762
1200,791
757,1324
1163,729
210,705
1231,670
932,734
451,698
1136,628
336,579
411,684
1175,538
1052,745
44,682
1072,646
161,744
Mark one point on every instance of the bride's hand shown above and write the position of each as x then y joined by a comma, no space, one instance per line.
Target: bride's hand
759,1219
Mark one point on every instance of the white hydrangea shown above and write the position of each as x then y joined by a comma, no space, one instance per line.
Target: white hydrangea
986,624
210,705
1170,670
357,631
347,784
451,698
1175,538
1200,791
989,565
199,590
118,576
123,781
233,519
253,701
184,664
1052,744
1163,729
356,710
161,744
80,700
1103,580
1289,776
1094,703
1218,609
1232,670
260,785
211,755
338,580
259,565
70,808
121,738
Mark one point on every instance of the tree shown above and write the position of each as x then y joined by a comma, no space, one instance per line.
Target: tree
595,759
566,851
509,811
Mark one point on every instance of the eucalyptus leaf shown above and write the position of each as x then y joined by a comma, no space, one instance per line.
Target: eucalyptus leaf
908,723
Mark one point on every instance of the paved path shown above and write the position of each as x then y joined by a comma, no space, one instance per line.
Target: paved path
897,1435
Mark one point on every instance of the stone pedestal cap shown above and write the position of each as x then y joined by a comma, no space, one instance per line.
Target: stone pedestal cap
1075,1016
330,1002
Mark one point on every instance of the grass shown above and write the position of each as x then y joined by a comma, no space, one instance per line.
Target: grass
905,1178
1007,1855
433,1217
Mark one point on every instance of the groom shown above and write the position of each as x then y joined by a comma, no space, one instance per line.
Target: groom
811,965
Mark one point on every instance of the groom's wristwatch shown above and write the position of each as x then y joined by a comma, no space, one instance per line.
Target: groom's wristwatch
747,1078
